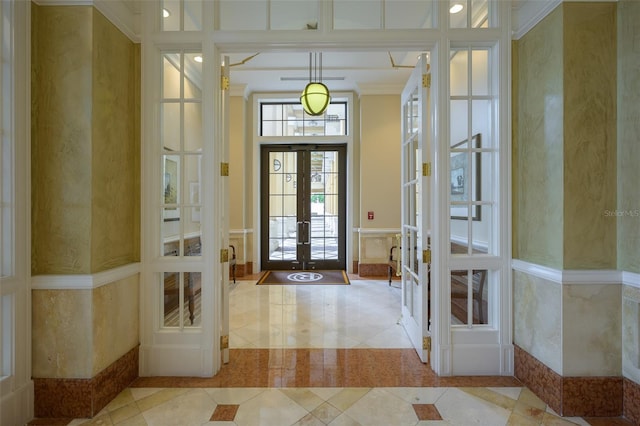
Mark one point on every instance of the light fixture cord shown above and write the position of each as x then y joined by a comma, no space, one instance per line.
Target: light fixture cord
310,64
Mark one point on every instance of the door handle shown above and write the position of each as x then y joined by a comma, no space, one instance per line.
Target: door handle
303,234
308,233
299,227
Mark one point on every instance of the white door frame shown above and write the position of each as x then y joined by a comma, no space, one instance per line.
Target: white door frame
213,44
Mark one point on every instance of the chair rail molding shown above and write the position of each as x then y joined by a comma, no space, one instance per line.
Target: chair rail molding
573,277
84,281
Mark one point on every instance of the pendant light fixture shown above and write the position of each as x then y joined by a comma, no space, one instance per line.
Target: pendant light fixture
315,96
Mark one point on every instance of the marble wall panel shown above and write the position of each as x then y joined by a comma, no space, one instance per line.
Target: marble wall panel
537,316
115,148
61,73
116,312
591,330
589,135
628,135
631,333
374,247
539,191
62,337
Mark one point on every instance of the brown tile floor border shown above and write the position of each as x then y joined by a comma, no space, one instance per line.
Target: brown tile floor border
631,398
608,421
276,368
543,381
592,396
224,413
49,422
427,412
373,270
79,398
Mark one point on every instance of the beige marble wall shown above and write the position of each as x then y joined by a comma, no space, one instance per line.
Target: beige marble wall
85,149
78,333
62,333
85,186
61,139
628,135
589,135
115,323
115,148
591,330
628,208
540,106
537,310
374,247
631,333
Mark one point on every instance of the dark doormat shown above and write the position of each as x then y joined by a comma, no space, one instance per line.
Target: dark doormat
304,278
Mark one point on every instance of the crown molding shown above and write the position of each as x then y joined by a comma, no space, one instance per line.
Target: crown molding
116,11
528,14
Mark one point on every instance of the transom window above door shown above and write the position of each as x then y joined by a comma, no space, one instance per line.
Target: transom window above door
290,119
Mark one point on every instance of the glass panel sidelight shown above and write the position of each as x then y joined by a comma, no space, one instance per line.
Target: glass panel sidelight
382,14
471,13
472,159
293,15
469,297
181,299
181,15
181,160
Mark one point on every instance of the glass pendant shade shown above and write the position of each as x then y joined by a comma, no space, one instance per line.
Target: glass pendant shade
315,98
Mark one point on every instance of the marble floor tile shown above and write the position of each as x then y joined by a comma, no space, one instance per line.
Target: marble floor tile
270,408
330,355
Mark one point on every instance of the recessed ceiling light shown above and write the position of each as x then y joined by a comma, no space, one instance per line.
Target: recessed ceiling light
165,13
456,8
198,58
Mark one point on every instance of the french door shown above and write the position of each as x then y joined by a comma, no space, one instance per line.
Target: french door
416,203
303,207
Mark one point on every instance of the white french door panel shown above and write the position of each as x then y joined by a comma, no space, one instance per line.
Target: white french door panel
183,348
180,360
415,202
223,202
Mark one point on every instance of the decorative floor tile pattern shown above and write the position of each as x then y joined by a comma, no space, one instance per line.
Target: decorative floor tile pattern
225,413
426,412
398,406
293,365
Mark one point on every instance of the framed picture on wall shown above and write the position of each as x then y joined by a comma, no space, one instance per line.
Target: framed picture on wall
465,188
170,187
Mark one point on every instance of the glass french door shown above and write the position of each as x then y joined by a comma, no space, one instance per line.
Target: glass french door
303,207
416,218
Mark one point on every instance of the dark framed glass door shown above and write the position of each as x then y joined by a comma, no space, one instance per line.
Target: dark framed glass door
303,207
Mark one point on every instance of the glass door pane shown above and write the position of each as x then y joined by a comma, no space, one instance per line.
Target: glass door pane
283,201
303,207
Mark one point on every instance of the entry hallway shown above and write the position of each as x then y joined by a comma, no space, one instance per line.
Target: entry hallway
324,355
